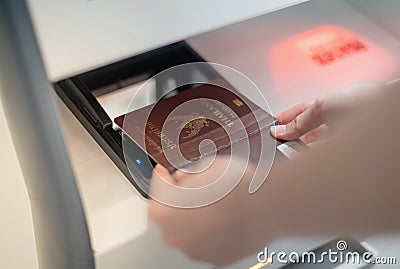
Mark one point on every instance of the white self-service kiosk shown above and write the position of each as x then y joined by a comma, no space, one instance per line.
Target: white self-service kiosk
98,53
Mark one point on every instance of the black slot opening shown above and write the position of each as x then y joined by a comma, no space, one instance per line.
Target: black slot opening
79,94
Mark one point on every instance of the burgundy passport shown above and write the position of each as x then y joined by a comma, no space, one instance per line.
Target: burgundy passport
201,121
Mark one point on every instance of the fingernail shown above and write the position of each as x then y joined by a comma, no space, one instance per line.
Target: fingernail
278,129
159,168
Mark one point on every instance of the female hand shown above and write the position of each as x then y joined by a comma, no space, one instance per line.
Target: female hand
313,120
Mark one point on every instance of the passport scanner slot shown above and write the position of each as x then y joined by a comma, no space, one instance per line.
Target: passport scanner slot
97,97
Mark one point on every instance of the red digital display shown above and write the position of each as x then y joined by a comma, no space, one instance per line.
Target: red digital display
330,53
327,45
327,58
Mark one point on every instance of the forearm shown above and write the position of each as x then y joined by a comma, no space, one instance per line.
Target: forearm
349,184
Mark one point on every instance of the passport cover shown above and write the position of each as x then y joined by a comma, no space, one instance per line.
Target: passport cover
197,122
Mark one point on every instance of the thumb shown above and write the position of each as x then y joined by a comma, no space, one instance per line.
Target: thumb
160,172
160,180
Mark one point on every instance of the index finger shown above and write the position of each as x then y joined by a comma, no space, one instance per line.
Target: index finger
310,119
287,116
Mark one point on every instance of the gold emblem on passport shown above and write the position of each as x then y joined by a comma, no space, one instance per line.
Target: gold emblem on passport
191,124
238,102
